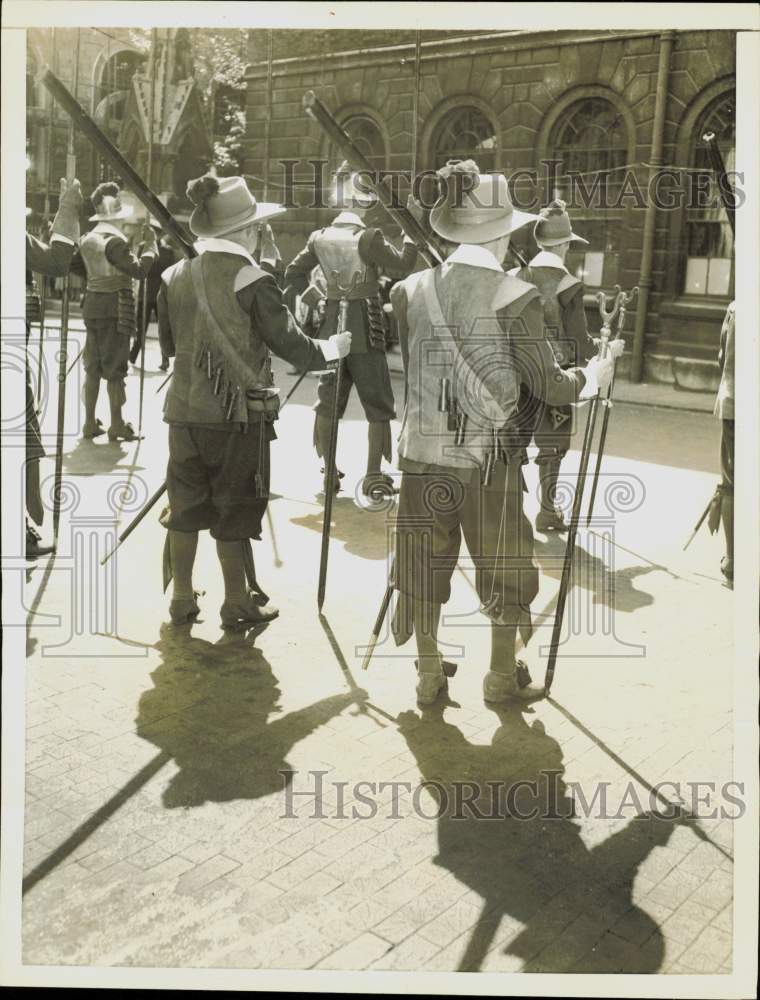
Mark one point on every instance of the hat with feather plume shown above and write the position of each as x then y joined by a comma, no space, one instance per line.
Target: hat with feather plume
224,205
553,226
474,208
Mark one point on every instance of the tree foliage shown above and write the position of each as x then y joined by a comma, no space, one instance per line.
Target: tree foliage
216,59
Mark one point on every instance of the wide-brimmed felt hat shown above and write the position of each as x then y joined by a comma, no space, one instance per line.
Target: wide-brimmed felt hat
224,205
475,208
349,191
553,226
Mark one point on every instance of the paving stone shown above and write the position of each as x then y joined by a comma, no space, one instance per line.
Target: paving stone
451,923
637,925
205,872
409,956
200,865
359,954
715,892
711,948
674,889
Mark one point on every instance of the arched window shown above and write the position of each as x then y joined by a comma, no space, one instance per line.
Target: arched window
465,133
113,89
709,240
588,148
368,138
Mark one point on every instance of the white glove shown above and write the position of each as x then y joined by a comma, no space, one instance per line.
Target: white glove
616,347
342,342
150,243
415,209
337,346
598,374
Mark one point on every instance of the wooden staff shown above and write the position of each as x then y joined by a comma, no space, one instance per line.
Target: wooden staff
625,299
378,627
71,170
142,192
131,179
331,468
564,586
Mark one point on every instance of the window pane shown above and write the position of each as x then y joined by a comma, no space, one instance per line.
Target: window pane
367,138
710,240
584,262
592,141
592,269
592,138
696,276
719,277
466,134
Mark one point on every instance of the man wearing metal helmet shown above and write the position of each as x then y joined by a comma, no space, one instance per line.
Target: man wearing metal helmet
109,307
470,336
344,248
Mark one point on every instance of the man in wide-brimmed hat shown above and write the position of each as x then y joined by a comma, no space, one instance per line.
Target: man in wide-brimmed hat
219,316
470,336
109,307
344,248
565,329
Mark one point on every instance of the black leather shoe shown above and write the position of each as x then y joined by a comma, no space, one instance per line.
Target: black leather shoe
247,613
34,548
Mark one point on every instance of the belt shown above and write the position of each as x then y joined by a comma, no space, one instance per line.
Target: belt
263,400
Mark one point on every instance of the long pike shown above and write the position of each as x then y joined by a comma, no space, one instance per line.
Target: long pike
143,193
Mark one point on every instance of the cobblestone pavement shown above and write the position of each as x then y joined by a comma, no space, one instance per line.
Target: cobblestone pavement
165,824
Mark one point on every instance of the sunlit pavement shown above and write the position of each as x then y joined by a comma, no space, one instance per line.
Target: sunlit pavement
158,831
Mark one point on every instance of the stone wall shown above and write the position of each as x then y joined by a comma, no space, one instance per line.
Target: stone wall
522,82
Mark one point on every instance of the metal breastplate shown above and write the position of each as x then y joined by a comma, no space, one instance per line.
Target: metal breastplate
337,250
102,276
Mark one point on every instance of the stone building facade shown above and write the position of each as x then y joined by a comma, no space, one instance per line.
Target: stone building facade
110,73
518,102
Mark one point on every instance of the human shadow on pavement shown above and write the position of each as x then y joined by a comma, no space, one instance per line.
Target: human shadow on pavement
364,533
547,899
90,458
210,710
613,588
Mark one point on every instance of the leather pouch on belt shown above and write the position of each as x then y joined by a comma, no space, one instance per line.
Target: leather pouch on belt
264,400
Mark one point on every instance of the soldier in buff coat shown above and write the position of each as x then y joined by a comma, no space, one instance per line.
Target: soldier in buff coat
109,308
565,329
347,246
471,336
220,314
